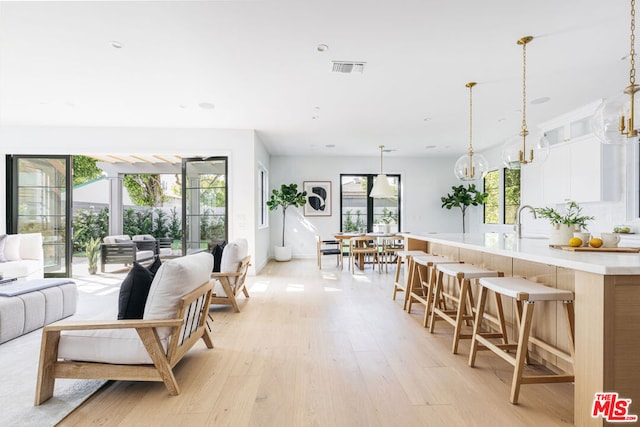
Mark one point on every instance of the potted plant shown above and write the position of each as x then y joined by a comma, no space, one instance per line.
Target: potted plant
462,197
384,222
92,250
288,195
563,226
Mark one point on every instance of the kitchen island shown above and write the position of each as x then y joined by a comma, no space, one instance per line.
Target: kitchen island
607,307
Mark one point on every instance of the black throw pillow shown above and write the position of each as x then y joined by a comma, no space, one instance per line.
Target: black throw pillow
133,292
153,268
217,256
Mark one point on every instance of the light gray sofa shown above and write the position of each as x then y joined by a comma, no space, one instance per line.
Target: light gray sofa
22,256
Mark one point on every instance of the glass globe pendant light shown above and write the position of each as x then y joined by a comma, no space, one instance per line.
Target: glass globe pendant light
614,120
470,166
515,151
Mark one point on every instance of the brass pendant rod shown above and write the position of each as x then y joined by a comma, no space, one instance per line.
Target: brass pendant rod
524,131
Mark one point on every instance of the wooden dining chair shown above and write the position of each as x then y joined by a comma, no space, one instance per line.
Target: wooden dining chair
359,248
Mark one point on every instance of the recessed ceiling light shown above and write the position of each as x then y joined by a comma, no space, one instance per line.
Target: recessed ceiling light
502,119
429,147
330,145
182,106
206,106
322,48
316,108
116,44
428,119
315,117
541,100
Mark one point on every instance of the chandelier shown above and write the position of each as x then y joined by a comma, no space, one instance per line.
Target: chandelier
614,120
516,152
470,166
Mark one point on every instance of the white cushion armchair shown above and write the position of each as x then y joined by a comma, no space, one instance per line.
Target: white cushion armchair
175,318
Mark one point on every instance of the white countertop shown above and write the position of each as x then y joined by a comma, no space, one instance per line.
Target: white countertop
538,250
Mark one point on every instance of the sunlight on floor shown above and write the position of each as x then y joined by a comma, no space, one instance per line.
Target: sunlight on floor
259,287
292,287
329,276
330,289
361,278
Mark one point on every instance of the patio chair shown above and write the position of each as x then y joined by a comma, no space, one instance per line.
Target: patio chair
144,349
123,250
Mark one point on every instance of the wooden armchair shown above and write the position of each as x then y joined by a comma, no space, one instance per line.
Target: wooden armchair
175,318
233,273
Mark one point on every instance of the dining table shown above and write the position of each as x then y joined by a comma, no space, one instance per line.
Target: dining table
346,236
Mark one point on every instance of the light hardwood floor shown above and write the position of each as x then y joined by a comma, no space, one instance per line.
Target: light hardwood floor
327,348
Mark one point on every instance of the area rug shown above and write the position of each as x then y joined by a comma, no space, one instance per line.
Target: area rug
97,299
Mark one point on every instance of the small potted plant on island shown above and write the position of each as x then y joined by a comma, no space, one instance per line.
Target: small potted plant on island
462,197
92,251
288,195
563,226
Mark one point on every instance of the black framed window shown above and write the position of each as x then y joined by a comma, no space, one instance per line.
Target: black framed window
492,205
511,195
359,212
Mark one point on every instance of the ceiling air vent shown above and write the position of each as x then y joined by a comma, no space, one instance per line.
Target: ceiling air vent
348,67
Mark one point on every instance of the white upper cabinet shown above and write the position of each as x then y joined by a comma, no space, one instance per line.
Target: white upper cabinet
579,167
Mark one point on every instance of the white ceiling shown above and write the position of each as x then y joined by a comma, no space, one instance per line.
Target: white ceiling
257,63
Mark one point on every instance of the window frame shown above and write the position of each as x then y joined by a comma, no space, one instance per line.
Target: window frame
263,196
370,201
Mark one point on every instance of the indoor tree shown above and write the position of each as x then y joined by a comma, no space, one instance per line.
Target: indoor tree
288,195
462,197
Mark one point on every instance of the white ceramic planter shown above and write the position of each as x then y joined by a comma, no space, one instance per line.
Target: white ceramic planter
561,234
282,253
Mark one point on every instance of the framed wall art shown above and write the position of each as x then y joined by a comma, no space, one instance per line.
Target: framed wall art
318,198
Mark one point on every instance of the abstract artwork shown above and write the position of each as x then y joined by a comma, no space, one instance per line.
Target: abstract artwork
318,198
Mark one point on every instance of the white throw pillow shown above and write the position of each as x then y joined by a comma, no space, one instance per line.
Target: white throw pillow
175,279
234,252
12,247
31,246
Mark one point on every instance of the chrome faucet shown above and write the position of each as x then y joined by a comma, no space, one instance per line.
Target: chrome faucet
518,226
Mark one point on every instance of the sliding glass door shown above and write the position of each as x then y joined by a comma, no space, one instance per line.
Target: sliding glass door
39,201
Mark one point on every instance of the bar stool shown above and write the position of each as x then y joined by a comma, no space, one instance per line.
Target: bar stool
527,292
397,285
421,290
464,273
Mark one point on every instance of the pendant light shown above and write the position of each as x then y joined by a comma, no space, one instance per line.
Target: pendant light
381,188
470,166
516,152
614,120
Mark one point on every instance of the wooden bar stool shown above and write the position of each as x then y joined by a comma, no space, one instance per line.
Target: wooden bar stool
464,273
527,292
422,289
399,286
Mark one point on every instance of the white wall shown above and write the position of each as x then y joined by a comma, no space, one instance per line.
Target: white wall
424,181
237,145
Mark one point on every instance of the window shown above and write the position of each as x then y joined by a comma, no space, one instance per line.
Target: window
263,195
511,195
360,212
504,192
492,205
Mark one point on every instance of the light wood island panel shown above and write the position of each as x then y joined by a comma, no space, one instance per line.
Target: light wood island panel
607,310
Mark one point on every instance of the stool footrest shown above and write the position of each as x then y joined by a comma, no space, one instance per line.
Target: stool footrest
541,379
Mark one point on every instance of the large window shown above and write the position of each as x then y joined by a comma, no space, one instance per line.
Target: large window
492,205
511,195
504,196
359,212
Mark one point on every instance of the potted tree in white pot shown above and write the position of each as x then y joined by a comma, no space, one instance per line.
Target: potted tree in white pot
288,195
563,226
